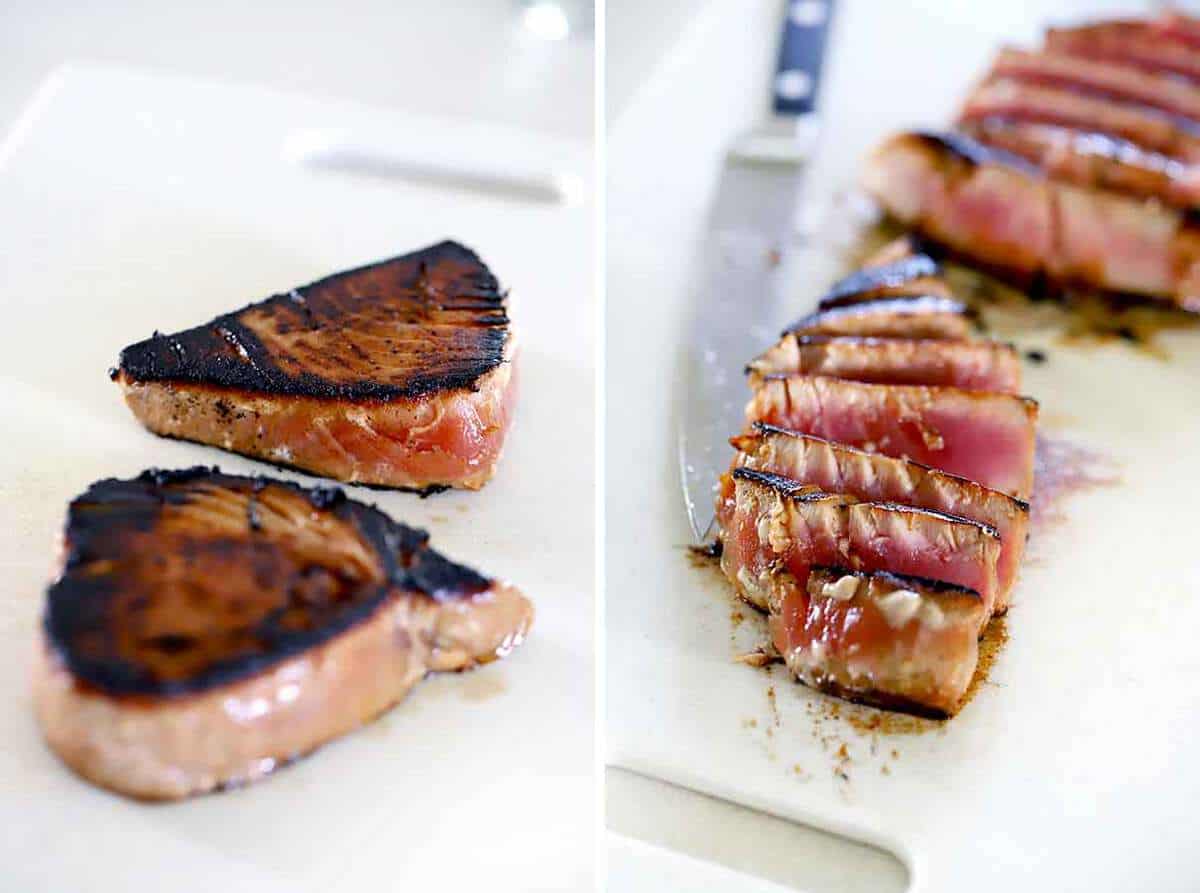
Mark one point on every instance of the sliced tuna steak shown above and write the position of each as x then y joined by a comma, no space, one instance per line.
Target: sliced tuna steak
924,316
1021,101
397,374
770,523
206,628
995,208
984,204
986,437
1121,82
912,275
871,477
974,365
1146,45
1130,246
1180,27
1094,160
891,640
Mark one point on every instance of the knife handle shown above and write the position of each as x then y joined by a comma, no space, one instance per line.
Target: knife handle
801,51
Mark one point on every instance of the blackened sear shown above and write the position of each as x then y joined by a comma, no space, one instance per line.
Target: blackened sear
178,581
442,296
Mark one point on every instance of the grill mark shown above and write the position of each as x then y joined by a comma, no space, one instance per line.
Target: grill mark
902,581
1174,147
1128,98
887,276
986,529
797,491
914,304
765,431
976,153
1093,144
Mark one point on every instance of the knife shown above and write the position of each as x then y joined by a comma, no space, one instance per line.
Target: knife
742,266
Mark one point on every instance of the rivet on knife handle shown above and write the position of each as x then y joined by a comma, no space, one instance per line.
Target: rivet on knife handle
801,51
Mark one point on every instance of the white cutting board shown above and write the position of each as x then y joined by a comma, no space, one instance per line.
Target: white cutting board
130,202
1074,768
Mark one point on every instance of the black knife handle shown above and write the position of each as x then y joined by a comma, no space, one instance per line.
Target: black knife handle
801,51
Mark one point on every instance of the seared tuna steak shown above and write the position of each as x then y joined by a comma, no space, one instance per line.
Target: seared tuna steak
1160,47
206,628
974,365
974,199
397,374
1094,122
998,209
923,316
986,437
911,275
1016,100
837,468
1119,82
887,639
770,523
1094,159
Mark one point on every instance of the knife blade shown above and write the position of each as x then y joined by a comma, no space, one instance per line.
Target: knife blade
745,259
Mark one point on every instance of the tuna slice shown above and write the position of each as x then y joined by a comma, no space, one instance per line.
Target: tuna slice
910,317
1120,82
871,477
206,628
974,365
398,374
983,436
1021,101
978,201
770,524
995,208
912,275
891,640
1144,45
1181,27
1094,160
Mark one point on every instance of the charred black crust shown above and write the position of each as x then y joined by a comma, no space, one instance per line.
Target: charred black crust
890,275
798,491
422,492
325,497
974,152
986,529
226,353
901,581
889,304
766,429
1029,403
81,605
161,477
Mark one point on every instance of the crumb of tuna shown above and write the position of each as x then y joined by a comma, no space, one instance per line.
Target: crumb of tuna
777,528
902,605
841,590
899,607
750,585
